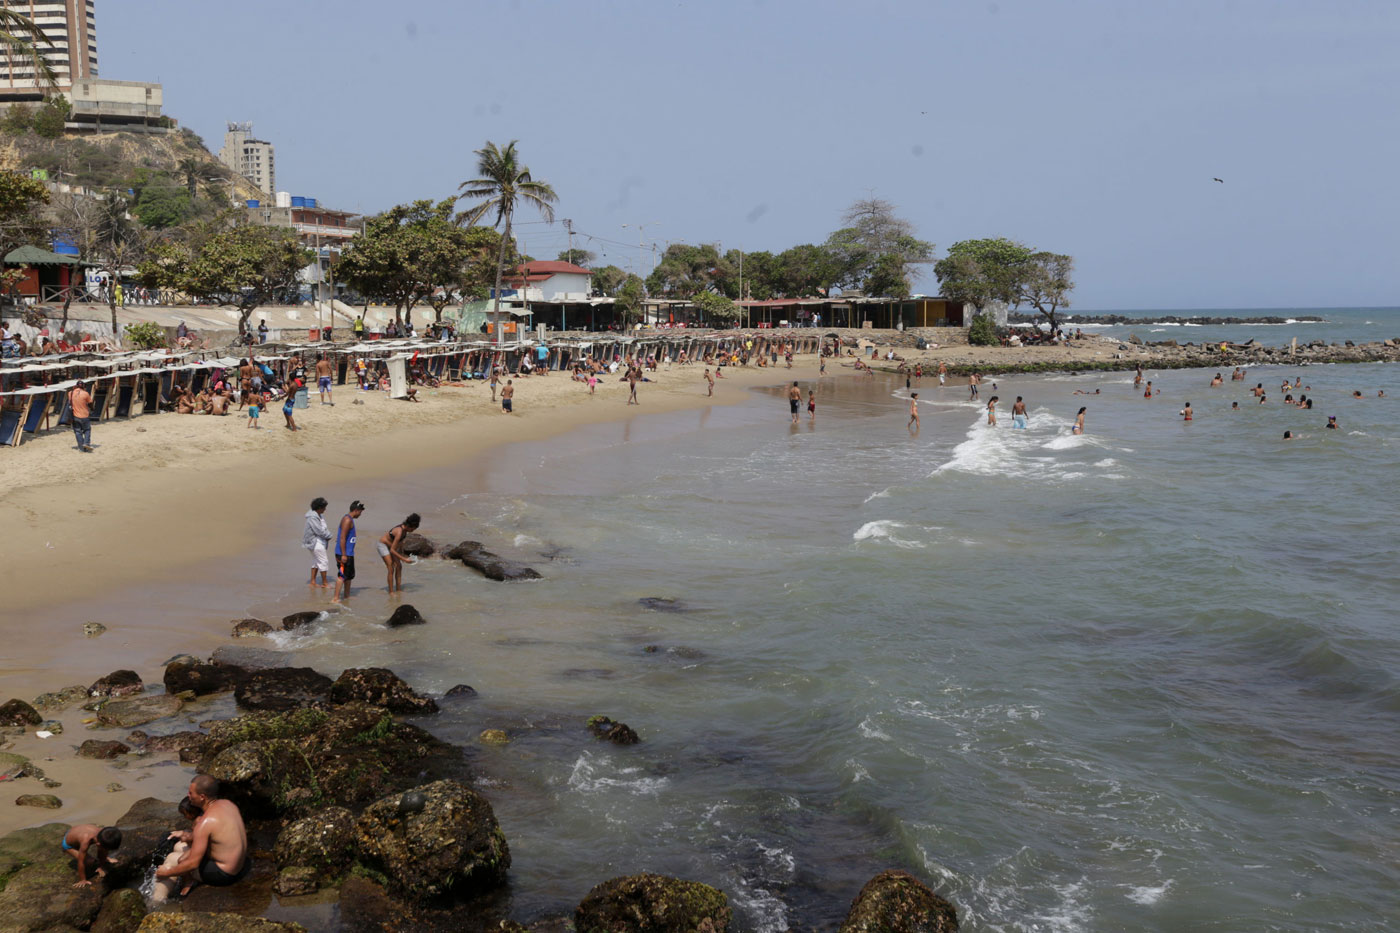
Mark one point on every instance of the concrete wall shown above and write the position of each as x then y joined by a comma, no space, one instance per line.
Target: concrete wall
557,286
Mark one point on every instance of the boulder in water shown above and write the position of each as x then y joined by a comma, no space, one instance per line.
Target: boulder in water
323,842
619,733
299,620
380,686
243,628
16,712
281,688
461,691
648,903
261,777
452,845
116,684
42,801
41,896
122,912
61,699
137,711
415,545
200,677
662,604
897,902
102,751
405,615
491,565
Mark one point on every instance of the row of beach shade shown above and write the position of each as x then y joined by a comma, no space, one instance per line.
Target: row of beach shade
130,385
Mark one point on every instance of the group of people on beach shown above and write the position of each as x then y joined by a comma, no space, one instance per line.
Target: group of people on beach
316,537
213,851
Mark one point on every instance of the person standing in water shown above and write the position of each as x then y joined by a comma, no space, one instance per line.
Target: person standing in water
942,373
794,400
389,549
972,386
914,411
992,411
1186,413
345,551
811,404
1079,422
1018,414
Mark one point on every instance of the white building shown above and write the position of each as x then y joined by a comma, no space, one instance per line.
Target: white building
71,52
252,158
553,280
103,105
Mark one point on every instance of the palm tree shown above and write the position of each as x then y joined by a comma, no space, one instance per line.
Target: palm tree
21,37
503,183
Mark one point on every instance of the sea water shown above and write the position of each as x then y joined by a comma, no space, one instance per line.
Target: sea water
1336,325
1143,678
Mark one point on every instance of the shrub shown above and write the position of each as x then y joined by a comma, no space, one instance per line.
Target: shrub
982,333
18,119
49,121
147,335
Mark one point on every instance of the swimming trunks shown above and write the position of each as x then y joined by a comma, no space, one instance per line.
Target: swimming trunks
63,843
214,876
1018,421
252,411
324,382
346,569
505,405
792,403
287,408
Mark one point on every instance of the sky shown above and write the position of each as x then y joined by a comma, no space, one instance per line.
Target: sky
1092,127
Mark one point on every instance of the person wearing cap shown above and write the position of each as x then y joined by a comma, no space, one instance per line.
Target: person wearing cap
345,551
80,401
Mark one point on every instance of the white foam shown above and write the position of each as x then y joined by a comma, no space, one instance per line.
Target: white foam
586,779
1147,896
1026,453
885,530
871,731
882,494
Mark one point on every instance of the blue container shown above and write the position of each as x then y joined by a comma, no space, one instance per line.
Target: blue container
254,202
298,201
65,247
310,202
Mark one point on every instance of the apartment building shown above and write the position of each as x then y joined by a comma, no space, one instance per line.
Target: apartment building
250,157
71,52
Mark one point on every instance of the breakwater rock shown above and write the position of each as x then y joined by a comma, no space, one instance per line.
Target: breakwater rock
1071,320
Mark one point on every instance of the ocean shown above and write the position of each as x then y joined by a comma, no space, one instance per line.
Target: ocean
1146,678
1338,325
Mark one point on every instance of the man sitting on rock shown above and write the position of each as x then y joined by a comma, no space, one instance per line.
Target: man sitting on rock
218,853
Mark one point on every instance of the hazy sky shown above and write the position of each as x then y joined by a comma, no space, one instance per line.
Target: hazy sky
1090,127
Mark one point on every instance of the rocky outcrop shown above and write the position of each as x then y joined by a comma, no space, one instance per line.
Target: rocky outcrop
164,744
122,912
144,827
405,615
213,923
200,677
102,751
380,686
299,620
137,711
116,684
436,839
460,692
41,896
897,902
264,777
663,604
16,712
415,545
281,688
491,565
12,766
619,733
323,842
243,628
649,903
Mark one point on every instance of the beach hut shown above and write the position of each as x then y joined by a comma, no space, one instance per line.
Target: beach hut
47,275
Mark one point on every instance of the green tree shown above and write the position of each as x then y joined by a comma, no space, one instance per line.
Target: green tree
196,171
629,299
804,271
1046,282
503,184
608,279
716,308
579,257
754,274
876,250
18,119
684,271
120,244
245,267
50,119
21,198
409,253
159,206
983,332
980,272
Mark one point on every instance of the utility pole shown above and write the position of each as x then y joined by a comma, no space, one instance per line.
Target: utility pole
569,226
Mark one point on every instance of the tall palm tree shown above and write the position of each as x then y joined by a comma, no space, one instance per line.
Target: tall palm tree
22,38
503,183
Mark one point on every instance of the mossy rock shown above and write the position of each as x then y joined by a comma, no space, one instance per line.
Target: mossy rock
41,896
897,902
42,801
266,777
12,766
213,923
122,912
648,903
26,846
323,842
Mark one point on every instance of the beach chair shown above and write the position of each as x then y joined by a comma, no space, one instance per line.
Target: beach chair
125,397
39,405
11,419
102,393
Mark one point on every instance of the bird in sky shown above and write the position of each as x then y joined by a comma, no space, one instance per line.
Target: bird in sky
1221,180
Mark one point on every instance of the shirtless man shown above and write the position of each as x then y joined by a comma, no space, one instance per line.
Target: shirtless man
972,387
218,405
1137,378
794,400
508,397
1018,414
218,852
710,381
1187,414
942,373
913,411
1217,381
323,380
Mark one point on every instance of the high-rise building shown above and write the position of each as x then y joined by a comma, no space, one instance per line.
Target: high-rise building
249,157
71,52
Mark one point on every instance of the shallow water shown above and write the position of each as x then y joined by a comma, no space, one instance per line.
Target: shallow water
1338,325
1146,678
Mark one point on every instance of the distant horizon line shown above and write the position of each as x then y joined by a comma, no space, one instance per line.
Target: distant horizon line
1203,310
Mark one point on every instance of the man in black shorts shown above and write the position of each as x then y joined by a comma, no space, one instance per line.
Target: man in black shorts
794,397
